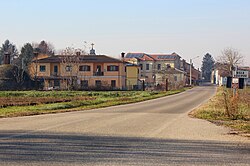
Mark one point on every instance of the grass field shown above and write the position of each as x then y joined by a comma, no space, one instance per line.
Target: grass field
22,103
215,111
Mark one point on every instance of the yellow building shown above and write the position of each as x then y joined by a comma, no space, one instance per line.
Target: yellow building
79,72
132,76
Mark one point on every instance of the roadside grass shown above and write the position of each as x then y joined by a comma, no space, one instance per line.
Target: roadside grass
214,111
74,100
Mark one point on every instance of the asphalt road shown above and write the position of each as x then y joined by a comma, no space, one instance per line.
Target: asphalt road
156,132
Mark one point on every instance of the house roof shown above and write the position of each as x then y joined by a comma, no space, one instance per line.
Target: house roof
81,58
172,56
135,55
140,56
152,57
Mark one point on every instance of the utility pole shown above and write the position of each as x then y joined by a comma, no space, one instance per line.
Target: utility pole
190,74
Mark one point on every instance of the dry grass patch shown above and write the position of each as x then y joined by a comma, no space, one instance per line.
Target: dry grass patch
227,109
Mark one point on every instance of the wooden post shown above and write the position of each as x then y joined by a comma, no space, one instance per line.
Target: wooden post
166,84
143,85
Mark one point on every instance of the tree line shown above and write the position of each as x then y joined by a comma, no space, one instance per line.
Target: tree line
23,58
21,61
15,75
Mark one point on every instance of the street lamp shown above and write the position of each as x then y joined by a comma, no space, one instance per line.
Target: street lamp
190,74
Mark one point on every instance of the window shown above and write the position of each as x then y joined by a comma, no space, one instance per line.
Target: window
98,83
141,65
50,83
113,68
113,83
84,83
159,66
168,66
147,66
68,68
57,83
84,68
175,78
55,69
42,68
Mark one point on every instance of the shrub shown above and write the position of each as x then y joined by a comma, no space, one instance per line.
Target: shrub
234,104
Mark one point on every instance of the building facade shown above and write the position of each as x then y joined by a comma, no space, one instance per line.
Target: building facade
132,76
195,73
79,72
152,66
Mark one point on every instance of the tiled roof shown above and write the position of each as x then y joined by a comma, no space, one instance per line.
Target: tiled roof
82,58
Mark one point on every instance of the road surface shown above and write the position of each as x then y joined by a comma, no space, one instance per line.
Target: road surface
155,132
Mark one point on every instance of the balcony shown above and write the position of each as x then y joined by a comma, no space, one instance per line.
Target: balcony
98,74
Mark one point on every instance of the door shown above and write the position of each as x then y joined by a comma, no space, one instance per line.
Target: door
98,68
55,70
113,84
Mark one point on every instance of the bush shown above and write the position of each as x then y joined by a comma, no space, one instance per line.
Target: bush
234,104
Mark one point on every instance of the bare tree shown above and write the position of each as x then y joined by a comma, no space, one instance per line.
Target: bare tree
71,63
229,59
72,51
18,74
45,47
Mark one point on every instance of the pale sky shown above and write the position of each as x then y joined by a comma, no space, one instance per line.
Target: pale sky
187,27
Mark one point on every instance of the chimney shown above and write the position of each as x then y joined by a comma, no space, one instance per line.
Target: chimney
123,55
6,59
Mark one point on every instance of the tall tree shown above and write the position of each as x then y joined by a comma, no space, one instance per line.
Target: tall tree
10,48
72,51
207,66
26,56
45,48
230,58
